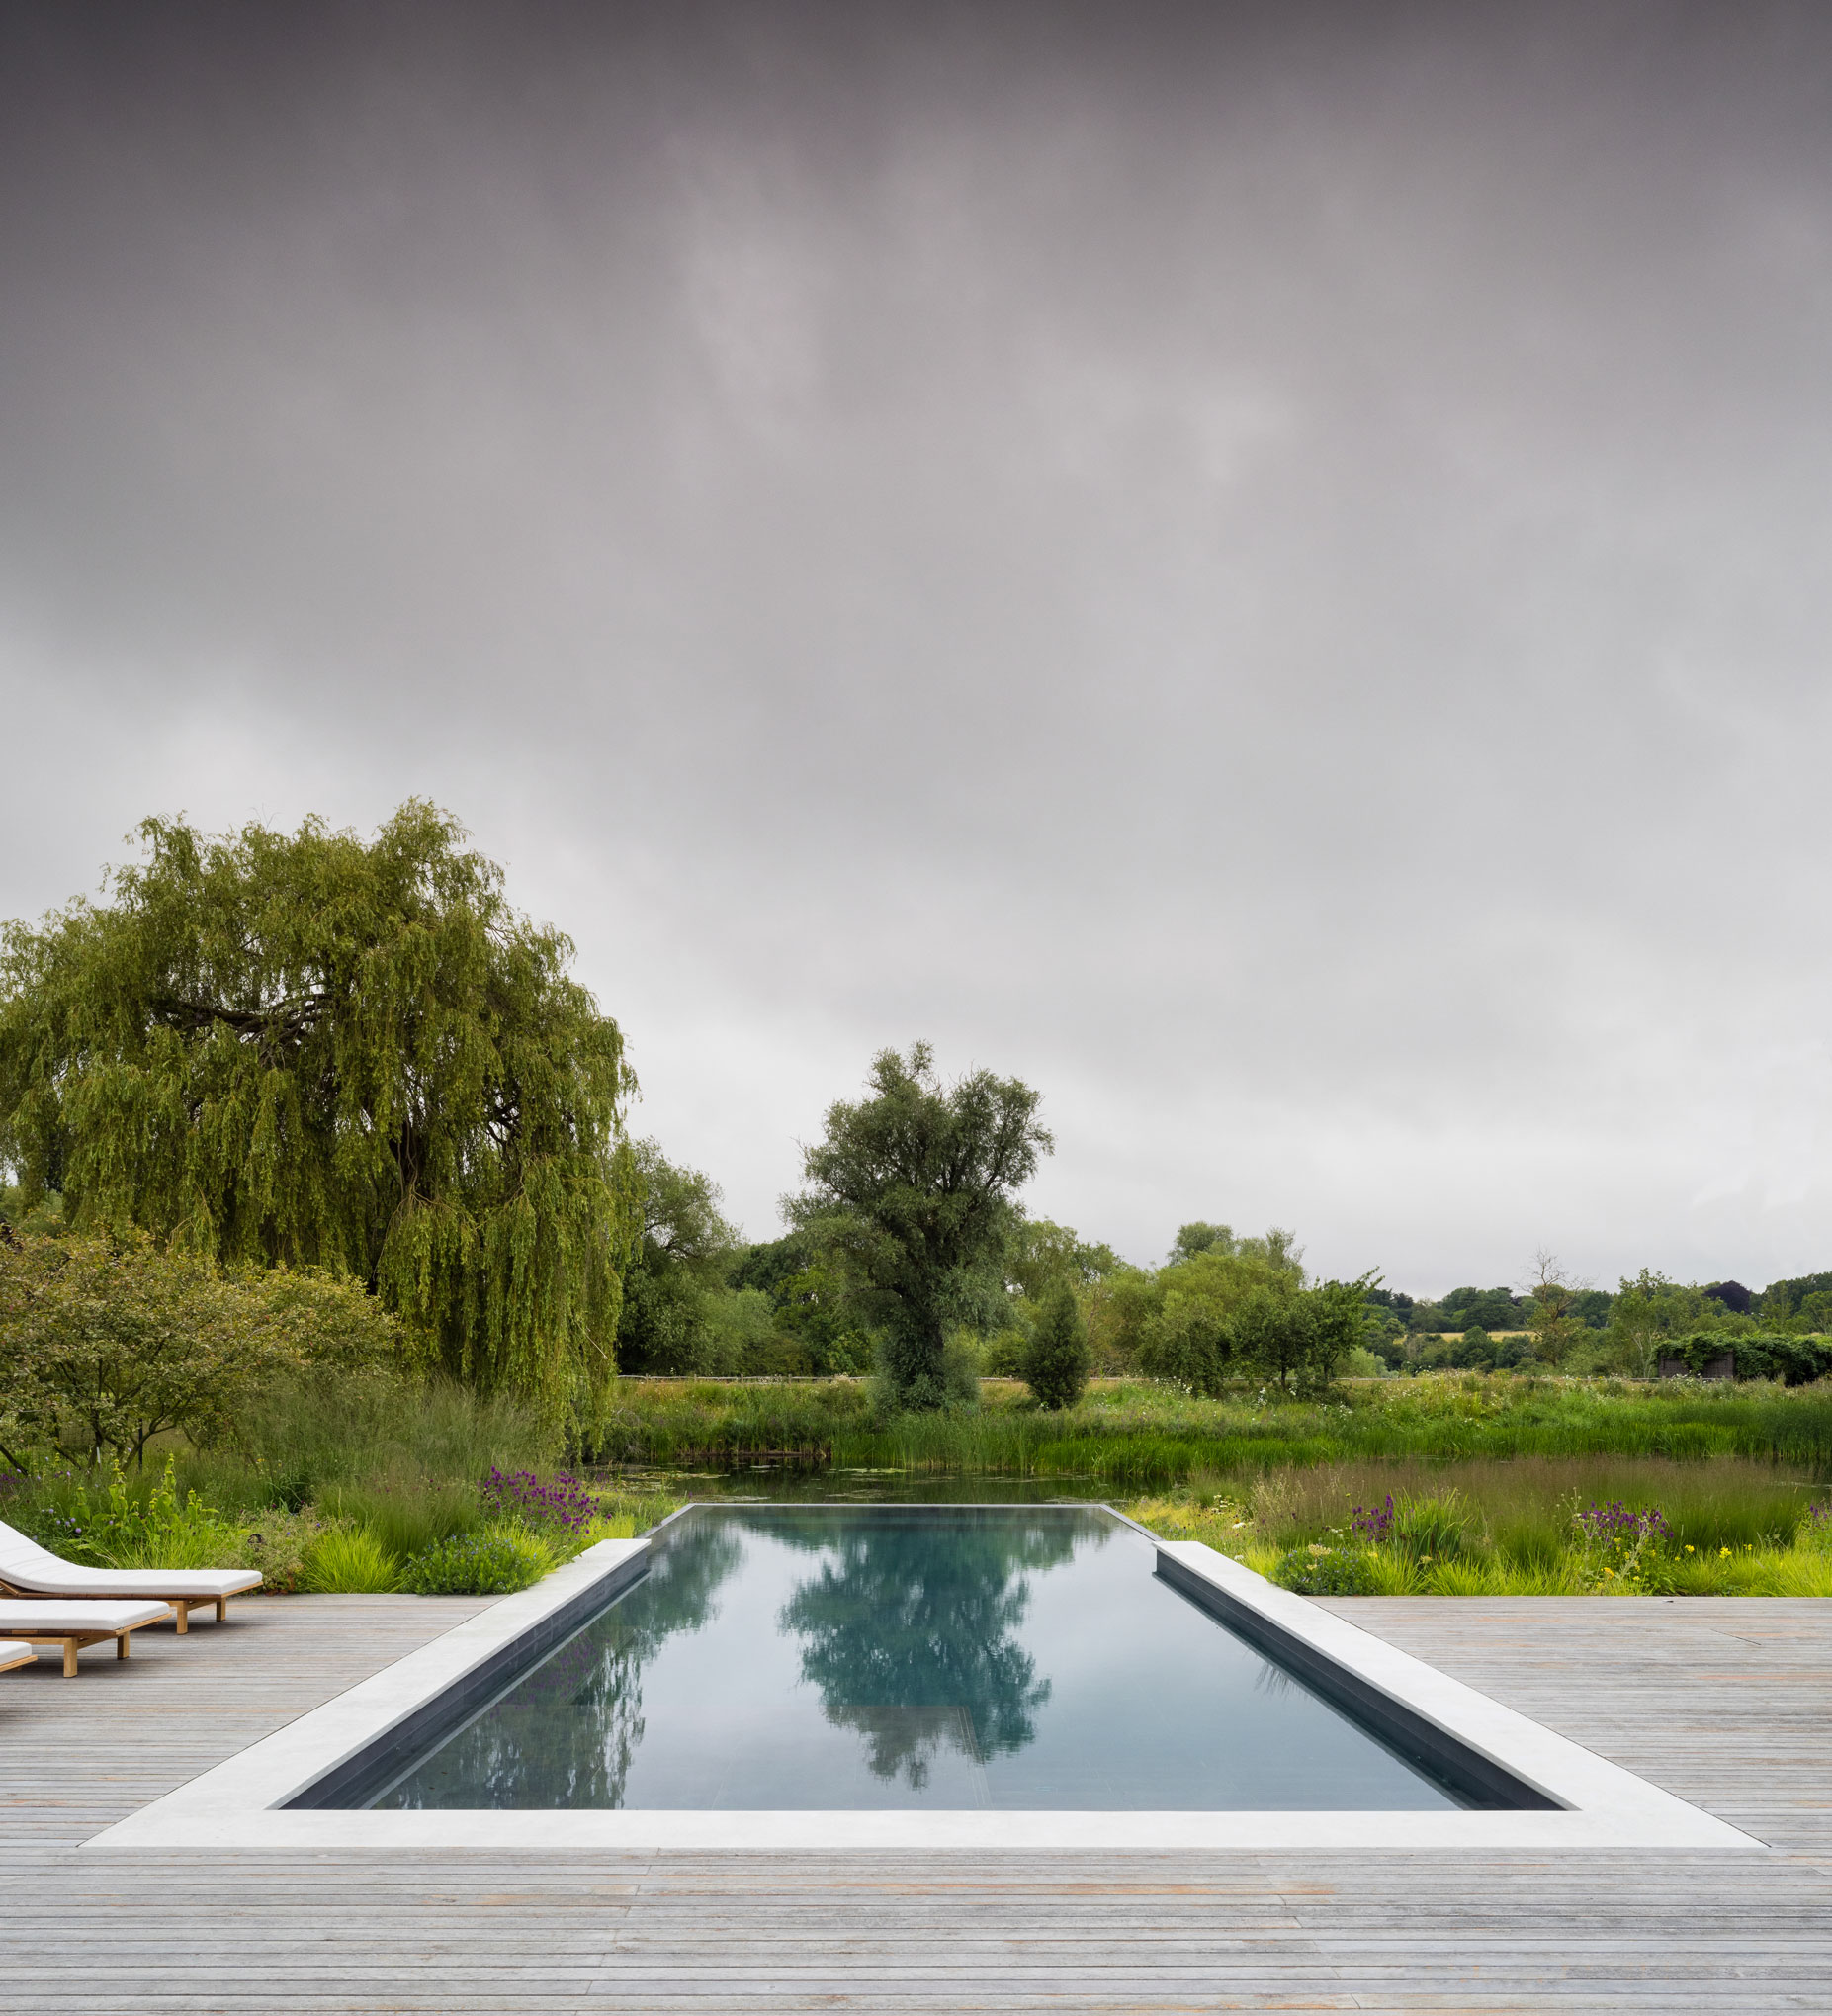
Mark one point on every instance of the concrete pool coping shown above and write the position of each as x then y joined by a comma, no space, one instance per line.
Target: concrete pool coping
244,1801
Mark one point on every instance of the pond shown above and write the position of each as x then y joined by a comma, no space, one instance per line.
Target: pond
834,1657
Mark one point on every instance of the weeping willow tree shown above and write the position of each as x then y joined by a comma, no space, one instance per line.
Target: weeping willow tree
306,1049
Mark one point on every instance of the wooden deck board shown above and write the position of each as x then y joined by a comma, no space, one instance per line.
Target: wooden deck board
1725,1701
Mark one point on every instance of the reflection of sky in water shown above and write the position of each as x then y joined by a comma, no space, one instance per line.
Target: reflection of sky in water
1021,1659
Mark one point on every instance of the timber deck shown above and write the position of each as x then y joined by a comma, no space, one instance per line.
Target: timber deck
1726,1701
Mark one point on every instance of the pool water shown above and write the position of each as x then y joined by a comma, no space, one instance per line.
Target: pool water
1019,1657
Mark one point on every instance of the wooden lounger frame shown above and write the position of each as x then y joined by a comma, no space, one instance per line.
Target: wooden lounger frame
73,1641
182,1605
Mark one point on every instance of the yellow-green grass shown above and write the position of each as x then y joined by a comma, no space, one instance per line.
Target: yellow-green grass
1507,1529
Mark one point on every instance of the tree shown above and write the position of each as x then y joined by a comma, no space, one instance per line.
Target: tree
1056,1362
105,1343
1042,1254
915,1189
1185,1333
1337,1326
678,1268
1648,1310
307,1050
1199,1237
1187,1341
1555,1328
1483,1308
1271,1330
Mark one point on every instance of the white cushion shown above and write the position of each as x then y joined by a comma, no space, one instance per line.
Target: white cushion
78,1616
18,1551
26,1565
13,1653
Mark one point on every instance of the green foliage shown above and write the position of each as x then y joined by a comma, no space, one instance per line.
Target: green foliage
1056,1360
675,1281
704,1423
1183,1326
310,1436
811,1312
1432,1525
1317,1570
105,1343
915,1190
1188,1342
1648,1313
405,1516
276,1541
1511,1527
1791,1360
494,1562
1474,1352
1138,1433
304,1050
1199,1237
349,1561
1483,1309
1118,1308
121,1527
1042,1255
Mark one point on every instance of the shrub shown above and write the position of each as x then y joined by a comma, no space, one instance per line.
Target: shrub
1763,1355
1004,1357
277,1545
1317,1570
126,1529
566,1506
1056,1362
349,1561
493,1562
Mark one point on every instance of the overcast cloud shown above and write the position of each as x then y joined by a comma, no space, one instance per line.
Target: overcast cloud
1263,570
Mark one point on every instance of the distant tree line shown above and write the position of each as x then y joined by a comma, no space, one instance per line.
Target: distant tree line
352,1067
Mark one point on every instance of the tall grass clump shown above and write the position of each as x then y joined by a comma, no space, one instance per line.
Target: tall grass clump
311,1435
350,1561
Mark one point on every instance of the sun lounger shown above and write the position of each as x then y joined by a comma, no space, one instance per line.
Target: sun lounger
74,1623
27,1570
13,1653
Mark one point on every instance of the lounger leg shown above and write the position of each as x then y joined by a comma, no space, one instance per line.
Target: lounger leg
184,1615
120,1644
222,1608
69,1658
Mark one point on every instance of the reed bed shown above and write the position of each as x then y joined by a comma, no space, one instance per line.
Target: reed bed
1129,1433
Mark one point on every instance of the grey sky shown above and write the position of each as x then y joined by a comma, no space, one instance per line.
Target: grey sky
1265,570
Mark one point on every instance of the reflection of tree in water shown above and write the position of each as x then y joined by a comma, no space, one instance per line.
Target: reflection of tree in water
567,1735
909,1634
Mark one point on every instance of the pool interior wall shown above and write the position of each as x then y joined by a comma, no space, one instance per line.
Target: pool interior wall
874,1657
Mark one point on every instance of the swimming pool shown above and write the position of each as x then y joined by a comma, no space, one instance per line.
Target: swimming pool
1124,1679
846,1657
